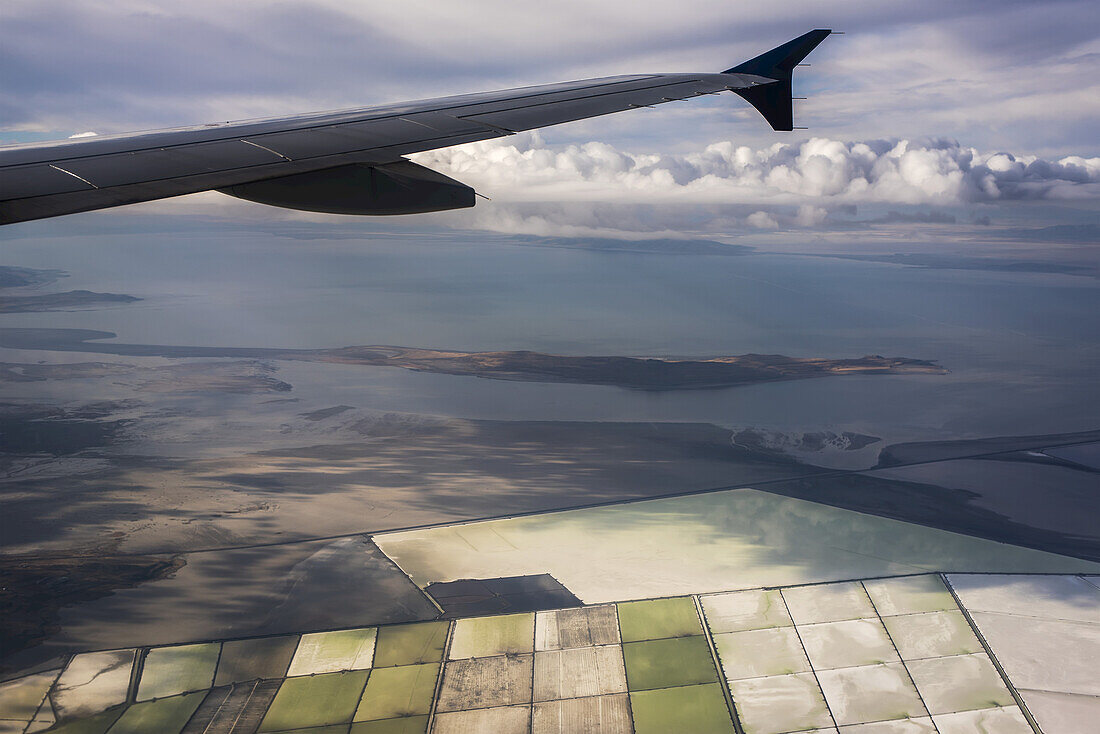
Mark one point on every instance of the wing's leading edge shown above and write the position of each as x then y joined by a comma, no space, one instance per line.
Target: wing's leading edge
351,161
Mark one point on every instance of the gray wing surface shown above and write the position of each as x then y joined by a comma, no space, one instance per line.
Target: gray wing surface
349,161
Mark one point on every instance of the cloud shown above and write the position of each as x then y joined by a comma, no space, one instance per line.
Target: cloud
1010,74
762,220
810,216
811,173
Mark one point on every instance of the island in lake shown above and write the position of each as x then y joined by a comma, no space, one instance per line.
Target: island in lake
643,373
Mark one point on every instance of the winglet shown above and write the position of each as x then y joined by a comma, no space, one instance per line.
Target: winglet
774,100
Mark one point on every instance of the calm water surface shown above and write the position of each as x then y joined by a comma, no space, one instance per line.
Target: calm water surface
1023,349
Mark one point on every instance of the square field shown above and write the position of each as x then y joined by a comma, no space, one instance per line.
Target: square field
659,618
910,595
761,652
329,652
594,715
477,637
562,629
780,704
847,644
696,709
932,635
163,715
502,720
177,669
828,603
315,700
486,682
960,683
1006,720
404,690
582,671
680,661
745,610
410,644
264,657
870,693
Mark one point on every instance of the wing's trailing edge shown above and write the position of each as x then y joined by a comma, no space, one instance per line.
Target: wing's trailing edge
774,101
351,161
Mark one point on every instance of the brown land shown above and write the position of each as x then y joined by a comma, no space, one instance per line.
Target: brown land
644,373
634,372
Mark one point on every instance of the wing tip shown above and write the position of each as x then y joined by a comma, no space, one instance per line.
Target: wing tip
774,101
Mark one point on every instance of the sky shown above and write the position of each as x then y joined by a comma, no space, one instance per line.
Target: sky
956,106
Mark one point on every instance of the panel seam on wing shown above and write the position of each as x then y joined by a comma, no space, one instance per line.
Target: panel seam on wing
269,150
80,178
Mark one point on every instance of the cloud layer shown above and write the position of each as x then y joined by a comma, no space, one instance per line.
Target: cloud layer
816,171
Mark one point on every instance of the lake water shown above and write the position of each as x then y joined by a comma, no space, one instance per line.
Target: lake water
1023,349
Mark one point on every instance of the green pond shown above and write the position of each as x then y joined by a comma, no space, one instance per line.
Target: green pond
164,716
171,670
408,644
317,700
696,709
677,661
400,691
658,618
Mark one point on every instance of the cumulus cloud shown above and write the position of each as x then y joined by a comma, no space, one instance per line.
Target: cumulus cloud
810,216
812,173
762,220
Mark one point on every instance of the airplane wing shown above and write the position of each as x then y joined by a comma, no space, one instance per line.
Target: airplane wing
351,161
